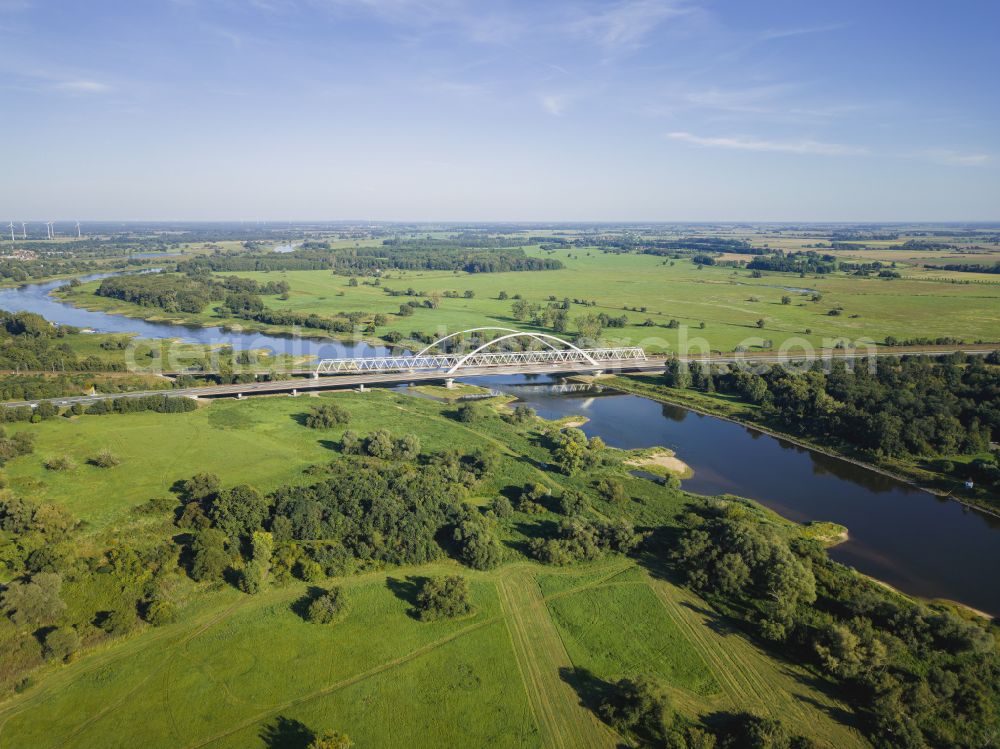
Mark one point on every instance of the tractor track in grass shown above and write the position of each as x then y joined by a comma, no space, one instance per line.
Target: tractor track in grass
349,681
564,723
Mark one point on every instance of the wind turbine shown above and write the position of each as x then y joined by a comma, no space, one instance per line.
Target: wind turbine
78,234
51,229
24,231
11,224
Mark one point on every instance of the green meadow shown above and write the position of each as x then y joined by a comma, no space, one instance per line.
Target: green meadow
729,302
248,671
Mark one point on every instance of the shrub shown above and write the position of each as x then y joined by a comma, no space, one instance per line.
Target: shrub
116,622
327,416
328,608
105,459
443,598
160,612
331,740
60,463
502,507
252,578
61,644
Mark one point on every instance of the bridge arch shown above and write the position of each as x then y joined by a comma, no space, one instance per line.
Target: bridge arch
518,334
425,349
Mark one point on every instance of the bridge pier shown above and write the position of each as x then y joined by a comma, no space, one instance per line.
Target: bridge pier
315,374
361,388
294,392
239,396
449,383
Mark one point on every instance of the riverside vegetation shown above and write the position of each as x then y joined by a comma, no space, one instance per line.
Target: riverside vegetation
635,611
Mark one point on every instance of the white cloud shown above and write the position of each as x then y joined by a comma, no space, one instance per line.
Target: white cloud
743,143
957,158
554,104
624,25
82,86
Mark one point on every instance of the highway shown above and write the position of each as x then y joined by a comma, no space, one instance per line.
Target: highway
333,382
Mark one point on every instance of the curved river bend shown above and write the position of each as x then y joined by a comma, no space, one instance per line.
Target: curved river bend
913,540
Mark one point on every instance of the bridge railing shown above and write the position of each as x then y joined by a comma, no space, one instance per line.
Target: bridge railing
450,362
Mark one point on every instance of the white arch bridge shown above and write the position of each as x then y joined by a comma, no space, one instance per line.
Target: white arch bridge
555,351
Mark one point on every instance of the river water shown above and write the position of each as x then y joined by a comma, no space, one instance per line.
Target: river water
909,538
37,298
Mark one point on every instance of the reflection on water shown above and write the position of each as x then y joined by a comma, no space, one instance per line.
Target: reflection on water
920,543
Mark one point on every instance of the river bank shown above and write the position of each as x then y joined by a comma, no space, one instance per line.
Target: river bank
708,406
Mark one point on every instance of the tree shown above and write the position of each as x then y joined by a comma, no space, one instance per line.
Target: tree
502,507
35,602
160,611
327,608
639,705
761,323
443,598
252,577
572,503
676,374
208,555
478,548
786,299
239,511
61,644
201,486
381,444
589,327
408,447
327,416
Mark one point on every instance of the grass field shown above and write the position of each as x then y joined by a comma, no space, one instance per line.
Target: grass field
247,671
729,302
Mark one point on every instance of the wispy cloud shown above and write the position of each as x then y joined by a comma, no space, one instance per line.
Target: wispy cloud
554,104
82,86
957,158
803,147
625,25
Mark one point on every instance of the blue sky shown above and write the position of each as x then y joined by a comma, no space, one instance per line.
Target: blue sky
455,110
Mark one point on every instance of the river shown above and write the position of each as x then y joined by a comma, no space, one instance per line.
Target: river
913,540
37,298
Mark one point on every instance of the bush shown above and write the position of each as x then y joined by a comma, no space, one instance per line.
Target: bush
327,416
105,459
60,463
469,413
252,578
502,507
160,612
443,598
115,622
328,608
641,706
331,740
208,555
61,644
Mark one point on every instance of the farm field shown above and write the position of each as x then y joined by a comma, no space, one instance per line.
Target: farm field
729,302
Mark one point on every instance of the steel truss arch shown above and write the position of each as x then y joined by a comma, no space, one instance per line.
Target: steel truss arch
520,334
425,349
